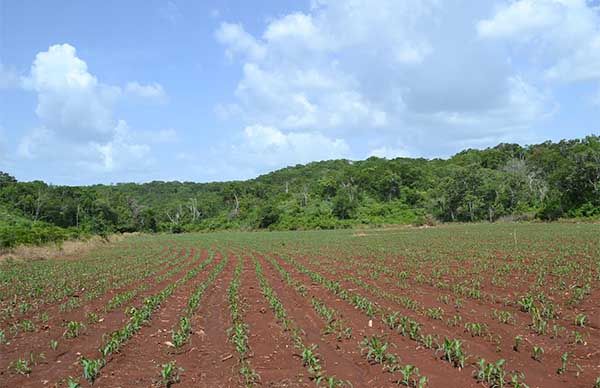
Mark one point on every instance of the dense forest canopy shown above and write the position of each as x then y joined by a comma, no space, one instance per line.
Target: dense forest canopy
545,181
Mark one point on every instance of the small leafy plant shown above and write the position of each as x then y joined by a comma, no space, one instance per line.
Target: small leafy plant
564,359
453,352
74,328
91,368
491,373
22,366
538,351
170,374
518,340
580,320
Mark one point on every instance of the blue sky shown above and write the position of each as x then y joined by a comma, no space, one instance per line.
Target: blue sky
114,91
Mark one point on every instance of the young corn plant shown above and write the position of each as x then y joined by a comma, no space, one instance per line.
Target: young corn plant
518,341
578,338
21,366
526,303
92,318
537,353
73,330
375,349
332,382
564,360
411,376
453,352
435,313
53,344
580,320
476,329
91,368
516,380
238,333
170,374
505,317
72,383
181,335
27,326
491,373
310,360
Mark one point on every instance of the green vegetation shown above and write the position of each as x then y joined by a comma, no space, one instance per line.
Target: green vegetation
545,181
170,374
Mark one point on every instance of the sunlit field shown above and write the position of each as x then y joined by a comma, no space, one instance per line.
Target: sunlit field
455,305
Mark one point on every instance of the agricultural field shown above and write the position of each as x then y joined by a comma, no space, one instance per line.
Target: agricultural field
513,305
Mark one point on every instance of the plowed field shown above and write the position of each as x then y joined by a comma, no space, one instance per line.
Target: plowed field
510,305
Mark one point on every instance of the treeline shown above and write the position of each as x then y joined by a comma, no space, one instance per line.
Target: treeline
545,181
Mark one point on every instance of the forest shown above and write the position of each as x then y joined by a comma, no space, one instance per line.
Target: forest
508,182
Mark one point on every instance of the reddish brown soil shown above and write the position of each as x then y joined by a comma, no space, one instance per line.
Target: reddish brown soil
64,361
437,371
538,374
54,308
139,362
209,359
273,355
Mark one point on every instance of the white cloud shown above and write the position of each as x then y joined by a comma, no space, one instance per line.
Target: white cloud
32,144
565,34
238,41
76,115
522,19
120,152
71,101
389,152
305,98
153,91
269,146
411,71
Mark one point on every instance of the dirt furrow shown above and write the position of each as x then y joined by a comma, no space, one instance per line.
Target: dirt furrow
273,356
58,363
437,371
537,373
139,362
209,359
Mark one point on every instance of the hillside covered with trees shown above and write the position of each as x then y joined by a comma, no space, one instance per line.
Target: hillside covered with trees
545,181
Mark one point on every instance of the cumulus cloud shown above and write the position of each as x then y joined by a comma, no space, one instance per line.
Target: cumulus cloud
71,101
563,33
76,116
239,42
386,69
271,147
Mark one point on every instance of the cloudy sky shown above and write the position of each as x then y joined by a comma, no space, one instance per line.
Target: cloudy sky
113,91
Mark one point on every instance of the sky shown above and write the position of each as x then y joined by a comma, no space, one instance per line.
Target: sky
139,90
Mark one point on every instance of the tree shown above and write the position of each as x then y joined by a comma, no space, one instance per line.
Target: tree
6,179
268,215
343,206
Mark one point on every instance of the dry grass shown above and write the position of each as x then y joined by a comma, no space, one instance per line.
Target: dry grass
65,250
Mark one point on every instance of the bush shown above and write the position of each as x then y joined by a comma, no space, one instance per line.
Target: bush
551,210
38,233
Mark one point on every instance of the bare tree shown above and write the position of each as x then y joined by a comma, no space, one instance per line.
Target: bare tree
236,210
193,207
